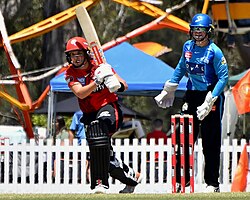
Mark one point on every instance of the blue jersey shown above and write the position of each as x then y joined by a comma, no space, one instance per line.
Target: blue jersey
205,66
77,126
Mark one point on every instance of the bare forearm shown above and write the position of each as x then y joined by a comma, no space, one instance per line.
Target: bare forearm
83,91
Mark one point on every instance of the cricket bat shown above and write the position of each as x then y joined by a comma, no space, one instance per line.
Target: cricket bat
90,34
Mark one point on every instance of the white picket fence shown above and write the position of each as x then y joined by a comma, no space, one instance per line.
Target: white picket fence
28,168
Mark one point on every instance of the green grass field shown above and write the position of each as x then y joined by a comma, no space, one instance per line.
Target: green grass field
214,196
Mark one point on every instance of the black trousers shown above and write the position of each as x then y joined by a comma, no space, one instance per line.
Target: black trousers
111,115
210,131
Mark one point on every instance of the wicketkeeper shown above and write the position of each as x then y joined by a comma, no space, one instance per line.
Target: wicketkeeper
207,70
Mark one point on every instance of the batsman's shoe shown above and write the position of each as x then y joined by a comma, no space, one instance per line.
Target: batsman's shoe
210,189
138,177
100,189
128,189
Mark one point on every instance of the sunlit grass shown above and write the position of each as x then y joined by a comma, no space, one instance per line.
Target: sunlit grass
214,196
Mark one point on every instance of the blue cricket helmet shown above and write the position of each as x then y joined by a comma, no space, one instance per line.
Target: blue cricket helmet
201,20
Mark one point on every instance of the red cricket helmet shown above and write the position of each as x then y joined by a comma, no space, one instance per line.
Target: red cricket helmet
76,43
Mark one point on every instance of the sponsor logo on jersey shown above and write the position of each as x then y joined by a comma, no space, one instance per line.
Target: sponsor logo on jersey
69,79
82,80
193,68
188,54
223,61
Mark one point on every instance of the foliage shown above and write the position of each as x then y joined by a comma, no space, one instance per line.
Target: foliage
20,15
111,20
41,120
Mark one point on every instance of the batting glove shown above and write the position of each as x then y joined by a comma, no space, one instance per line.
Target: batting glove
112,83
103,71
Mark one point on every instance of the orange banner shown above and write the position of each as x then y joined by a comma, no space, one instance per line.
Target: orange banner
239,183
241,92
152,48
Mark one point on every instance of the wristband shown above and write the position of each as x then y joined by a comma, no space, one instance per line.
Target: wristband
122,88
97,82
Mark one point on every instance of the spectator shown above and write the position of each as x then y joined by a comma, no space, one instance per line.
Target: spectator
78,130
61,133
77,127
157,134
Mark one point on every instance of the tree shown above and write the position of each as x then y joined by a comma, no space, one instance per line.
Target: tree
18,15
111,20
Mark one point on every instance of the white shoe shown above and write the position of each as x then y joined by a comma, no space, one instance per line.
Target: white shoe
210,189
139,177
128,189
100,189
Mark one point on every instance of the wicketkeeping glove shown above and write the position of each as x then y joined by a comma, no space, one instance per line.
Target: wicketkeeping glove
206,107
112,83
166,97
103,71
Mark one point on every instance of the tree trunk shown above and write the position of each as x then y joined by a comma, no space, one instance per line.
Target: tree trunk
52,41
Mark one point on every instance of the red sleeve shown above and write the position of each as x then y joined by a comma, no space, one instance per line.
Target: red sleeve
70,79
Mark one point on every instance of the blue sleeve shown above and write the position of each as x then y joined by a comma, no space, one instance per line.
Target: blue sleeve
74,123
221,70
180,69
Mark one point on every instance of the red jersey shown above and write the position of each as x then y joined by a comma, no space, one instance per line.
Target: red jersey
157,135
98,98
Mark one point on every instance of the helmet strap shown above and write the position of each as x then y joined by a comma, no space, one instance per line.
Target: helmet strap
68,58
83,62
